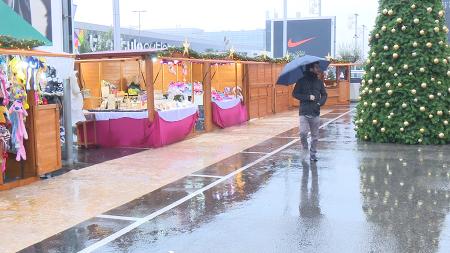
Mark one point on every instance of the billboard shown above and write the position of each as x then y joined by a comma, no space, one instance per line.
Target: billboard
38,13
313,36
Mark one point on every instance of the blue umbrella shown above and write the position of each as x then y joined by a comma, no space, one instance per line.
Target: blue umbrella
293,71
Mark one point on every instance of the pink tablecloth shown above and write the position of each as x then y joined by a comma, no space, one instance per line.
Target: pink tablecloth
138,133
229,117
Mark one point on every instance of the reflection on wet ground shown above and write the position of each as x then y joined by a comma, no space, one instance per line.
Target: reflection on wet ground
359,197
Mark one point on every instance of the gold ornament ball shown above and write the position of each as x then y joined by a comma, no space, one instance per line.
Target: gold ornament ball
386,48
388,85
393,30
422,108
431,96
370,81
391,69
399,20
419,140
395,56
415,44
448,73
441,135
383,28
422,32
415,100
399,84
430,116
387,104
445,61
429,44
389,117
385,11
413,91
370,91
440,113
374,54
422,70
365,137
374,121
410,73
414,54
402,129
422,130
366,104
436,21
413,6
405,66
390,92
423,85
404,28
439,94
383,63
436,29
396,47
374,105
391,12
391,114
404,105
377,35
406,123
436,61
368,61
429,9
445,122
372,69
377,89
416,21
395,74
441,43
383,130
441,13
363,81
433,79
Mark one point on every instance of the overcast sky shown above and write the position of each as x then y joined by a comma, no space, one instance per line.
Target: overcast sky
213,15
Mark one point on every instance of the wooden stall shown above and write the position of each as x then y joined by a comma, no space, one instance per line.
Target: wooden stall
337,81
43,146
260,89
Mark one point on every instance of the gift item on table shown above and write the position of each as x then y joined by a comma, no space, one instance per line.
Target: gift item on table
134,89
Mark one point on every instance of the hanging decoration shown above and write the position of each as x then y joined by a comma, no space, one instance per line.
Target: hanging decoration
186,45
9,42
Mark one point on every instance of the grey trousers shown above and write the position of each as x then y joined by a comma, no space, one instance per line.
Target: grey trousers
309,125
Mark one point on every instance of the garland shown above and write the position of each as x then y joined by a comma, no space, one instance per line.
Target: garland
9,42
176,51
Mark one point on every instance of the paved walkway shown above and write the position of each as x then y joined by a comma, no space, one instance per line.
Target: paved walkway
360,197
33,213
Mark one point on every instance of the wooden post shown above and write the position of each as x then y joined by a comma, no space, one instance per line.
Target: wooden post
206,72
246,87
150,88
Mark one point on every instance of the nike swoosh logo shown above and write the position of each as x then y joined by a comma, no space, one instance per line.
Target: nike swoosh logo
292,44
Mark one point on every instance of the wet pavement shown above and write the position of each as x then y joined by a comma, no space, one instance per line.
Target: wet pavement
359,197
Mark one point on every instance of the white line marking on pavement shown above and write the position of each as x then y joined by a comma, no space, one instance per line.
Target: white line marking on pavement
207,176
248,152
151,216
114,217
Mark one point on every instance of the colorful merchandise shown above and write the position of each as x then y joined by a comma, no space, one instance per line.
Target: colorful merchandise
19,132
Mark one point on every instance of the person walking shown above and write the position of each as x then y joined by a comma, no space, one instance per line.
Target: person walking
311,92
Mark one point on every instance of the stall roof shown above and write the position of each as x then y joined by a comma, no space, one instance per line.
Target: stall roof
133,54
37,53
116,54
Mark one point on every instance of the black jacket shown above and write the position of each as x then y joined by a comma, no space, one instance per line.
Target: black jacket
310,85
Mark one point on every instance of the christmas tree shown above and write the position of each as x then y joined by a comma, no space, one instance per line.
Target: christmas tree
405,92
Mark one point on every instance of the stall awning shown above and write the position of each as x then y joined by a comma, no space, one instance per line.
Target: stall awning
11,24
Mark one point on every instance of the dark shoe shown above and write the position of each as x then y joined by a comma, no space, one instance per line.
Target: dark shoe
313,158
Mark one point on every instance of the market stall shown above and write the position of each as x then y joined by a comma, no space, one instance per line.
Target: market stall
133,99
227,97
337,82
30,134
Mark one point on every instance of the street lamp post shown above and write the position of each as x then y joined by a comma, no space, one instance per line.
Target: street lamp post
139,13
